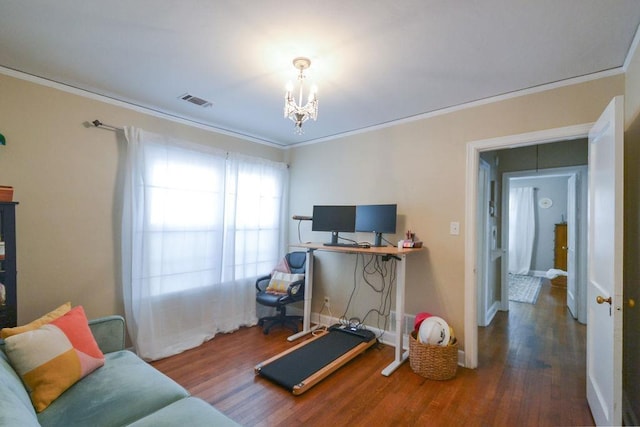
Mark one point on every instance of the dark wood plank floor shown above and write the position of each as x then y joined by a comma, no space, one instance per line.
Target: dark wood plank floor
532,372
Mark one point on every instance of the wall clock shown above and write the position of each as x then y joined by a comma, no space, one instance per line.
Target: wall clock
545,203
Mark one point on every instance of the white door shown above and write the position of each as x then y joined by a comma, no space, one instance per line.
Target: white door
604,288
572,222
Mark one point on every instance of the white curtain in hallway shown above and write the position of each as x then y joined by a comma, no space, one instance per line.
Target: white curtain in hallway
522,229
198,227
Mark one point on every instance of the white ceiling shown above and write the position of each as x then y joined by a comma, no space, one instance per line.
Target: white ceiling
374,61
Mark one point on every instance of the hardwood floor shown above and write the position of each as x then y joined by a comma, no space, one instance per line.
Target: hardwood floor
532,372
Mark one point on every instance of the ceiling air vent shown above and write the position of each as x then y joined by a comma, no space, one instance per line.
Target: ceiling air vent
196,100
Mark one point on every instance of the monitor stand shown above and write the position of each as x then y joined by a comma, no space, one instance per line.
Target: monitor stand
334,238
378,240
334,241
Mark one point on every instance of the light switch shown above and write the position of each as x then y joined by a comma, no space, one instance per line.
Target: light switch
454,228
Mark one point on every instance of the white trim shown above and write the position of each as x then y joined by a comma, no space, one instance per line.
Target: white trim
493,310
504,225
484,220
130,106
471,104
145,110
470,236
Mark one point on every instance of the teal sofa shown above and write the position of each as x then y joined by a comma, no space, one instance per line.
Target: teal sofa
126,391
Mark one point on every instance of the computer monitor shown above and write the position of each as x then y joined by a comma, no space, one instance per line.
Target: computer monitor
335,219
376,219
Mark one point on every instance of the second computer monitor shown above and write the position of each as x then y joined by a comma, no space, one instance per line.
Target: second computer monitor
376,219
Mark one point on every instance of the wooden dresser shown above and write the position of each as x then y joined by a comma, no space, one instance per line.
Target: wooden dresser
560,254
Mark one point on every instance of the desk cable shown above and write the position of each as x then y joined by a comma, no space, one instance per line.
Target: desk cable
373,267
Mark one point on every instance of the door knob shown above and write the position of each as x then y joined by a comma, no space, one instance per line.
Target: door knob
631,302
601,299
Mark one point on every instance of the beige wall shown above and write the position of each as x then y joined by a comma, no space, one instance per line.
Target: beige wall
66,179
421,166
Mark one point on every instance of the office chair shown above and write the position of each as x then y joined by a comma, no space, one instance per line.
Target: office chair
280,289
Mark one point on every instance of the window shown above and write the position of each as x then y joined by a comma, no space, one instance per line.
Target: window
198,203
199,225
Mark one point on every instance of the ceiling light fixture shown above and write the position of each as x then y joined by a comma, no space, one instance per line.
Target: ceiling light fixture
295,111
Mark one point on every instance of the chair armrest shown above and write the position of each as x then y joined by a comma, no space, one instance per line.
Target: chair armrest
108,332
262,283
296,289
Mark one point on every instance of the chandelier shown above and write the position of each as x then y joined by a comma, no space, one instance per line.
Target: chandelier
295,110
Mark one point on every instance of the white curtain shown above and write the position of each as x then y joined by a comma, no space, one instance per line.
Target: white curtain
522,229
198,227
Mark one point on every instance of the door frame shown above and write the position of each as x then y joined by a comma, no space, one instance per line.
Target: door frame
474,148
484,179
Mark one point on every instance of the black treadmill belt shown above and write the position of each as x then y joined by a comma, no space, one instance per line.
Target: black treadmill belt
293,368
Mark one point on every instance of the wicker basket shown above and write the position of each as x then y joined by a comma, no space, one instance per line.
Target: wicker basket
433,361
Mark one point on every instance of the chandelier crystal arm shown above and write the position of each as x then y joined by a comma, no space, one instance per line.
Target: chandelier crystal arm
296,111
300,83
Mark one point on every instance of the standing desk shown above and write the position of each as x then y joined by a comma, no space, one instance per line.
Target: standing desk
401,254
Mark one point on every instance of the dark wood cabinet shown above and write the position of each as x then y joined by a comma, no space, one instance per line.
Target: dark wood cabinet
560,254
8,269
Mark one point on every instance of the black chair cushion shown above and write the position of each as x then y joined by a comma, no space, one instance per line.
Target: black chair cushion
271,300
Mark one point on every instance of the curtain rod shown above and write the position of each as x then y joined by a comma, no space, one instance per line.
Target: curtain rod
97,123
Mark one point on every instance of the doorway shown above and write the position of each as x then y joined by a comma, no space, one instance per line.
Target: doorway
604,342
473,160
559,203
516,246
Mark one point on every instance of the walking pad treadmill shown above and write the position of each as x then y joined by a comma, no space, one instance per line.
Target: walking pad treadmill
303,366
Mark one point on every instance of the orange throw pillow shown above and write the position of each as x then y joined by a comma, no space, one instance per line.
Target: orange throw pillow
55,356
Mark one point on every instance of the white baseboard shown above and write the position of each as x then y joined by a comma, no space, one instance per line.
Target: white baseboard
491,313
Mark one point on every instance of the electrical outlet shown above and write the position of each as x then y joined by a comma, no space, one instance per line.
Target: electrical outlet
327,302
454,228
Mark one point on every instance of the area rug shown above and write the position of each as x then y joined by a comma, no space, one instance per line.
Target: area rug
523,288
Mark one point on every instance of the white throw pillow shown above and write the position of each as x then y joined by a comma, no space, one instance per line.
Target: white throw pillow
280,282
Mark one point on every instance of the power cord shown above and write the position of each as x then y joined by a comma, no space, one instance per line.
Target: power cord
374,266
390,244
322,328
